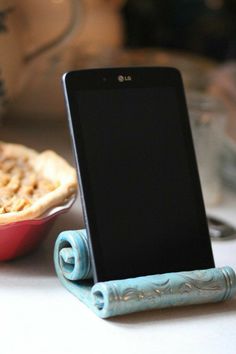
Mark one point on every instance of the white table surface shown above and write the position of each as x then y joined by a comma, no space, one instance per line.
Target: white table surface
37,315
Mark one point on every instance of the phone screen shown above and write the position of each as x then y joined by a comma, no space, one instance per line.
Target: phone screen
141,188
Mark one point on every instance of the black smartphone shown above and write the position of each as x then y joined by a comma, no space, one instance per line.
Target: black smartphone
138,177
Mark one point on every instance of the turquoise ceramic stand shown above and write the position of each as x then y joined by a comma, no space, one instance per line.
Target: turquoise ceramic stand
118,297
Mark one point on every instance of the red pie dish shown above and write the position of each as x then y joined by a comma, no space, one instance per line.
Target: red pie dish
34,189
21,237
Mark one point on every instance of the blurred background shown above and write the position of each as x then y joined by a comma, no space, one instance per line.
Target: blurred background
205,27
39,40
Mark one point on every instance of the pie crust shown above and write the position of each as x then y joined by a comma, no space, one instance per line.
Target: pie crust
32,182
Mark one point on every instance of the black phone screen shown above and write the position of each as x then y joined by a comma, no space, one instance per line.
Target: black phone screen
140,182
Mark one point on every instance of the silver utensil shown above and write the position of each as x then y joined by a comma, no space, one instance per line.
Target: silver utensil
220,229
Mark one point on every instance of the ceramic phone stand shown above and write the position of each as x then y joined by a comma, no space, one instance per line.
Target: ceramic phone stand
118,297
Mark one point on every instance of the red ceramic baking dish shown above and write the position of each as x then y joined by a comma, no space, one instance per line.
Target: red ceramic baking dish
22,237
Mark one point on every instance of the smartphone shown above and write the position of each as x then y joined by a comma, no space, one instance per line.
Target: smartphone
137,171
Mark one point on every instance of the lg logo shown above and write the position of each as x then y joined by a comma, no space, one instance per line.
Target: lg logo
122,78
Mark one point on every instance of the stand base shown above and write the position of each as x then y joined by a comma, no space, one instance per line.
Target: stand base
118,297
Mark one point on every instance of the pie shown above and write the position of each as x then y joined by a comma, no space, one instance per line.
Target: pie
32,182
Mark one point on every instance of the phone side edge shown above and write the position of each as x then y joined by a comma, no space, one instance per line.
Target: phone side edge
65,85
